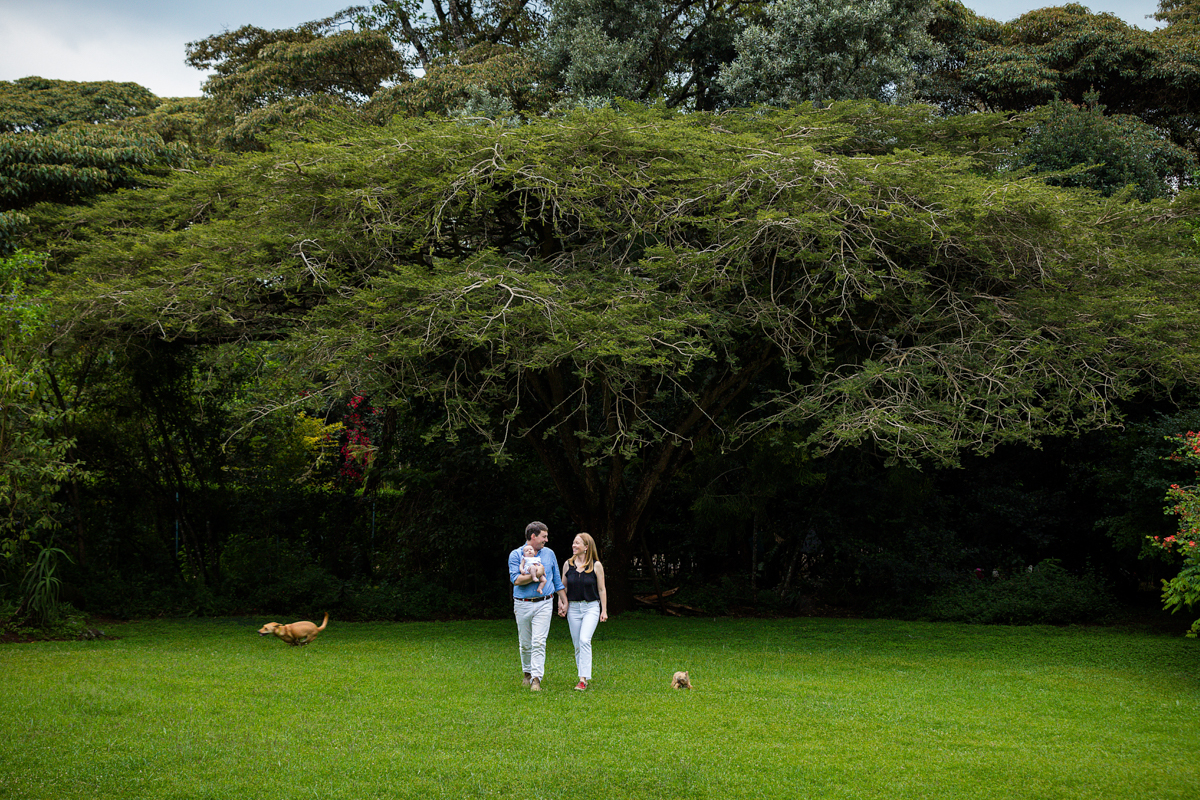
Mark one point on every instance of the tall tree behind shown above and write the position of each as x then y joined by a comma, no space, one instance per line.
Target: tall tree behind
1085,147
1066,53
456,27
67,141
41,104
646,50
268,77
1182,17
805,50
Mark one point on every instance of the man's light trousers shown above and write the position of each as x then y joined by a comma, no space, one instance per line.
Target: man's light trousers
533,626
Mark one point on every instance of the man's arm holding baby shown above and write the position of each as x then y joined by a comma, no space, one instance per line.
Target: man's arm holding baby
515,576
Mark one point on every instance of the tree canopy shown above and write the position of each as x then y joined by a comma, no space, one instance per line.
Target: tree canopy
467,54
70,165
607,289
649,50
510,57
268,77
822,51
456,27
41,104
1182,17
64,141
1065,53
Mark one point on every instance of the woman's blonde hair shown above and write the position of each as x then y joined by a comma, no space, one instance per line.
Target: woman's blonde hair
590,556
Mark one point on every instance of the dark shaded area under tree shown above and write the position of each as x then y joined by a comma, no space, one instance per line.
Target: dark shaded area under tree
844,535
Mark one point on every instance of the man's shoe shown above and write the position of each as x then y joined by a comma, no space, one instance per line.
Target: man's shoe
525,680
535,684
581,686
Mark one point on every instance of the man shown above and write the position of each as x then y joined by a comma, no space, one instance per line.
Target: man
532,608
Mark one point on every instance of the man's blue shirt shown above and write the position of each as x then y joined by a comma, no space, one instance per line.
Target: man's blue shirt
553,578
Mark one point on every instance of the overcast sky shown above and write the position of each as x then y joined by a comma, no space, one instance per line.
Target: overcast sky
143,40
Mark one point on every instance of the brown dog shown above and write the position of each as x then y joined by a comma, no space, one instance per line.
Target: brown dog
680,681
296,633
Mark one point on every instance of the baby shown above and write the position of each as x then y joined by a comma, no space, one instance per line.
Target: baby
532,565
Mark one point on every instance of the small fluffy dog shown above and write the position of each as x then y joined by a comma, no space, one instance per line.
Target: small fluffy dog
296,633
680,681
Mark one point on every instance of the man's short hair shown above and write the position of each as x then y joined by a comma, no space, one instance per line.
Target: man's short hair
534,528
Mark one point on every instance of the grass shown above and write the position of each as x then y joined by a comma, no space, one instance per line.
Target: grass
802,708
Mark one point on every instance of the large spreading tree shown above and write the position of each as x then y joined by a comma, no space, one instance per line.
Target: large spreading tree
608,289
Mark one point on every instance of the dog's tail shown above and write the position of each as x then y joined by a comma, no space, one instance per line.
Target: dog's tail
326,622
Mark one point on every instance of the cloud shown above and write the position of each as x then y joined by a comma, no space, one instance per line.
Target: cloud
142,41
90,46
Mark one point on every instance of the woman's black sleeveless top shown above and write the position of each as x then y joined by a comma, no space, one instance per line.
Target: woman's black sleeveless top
581,585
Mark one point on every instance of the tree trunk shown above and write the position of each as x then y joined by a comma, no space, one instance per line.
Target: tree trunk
598,493
618,582
649,560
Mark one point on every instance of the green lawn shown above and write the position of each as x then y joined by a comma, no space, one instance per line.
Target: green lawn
782,708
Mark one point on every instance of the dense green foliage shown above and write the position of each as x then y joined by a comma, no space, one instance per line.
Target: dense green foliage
821,51
647,50
71,165
1065,53
40,104
1087,148
1182,592
52,148
489,81
34,461
36,458
264,79
1041,594
455,28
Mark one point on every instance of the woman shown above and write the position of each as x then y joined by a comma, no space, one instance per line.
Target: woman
587,601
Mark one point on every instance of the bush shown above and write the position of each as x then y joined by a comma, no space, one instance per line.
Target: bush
411,599
108,592
1048,595
66,622
729,595
272,577
1116,150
